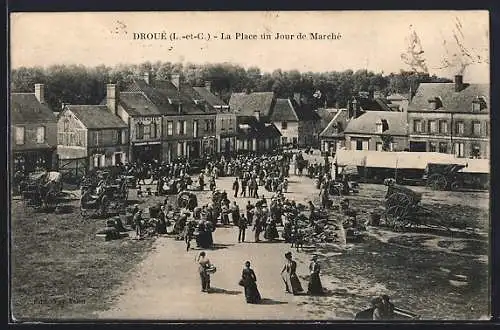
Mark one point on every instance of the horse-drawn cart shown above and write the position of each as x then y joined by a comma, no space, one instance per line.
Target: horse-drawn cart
41,190
104,200
403,209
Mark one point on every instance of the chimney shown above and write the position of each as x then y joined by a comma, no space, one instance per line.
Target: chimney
147,77
40,93
176,80
459,83
208,85
257,115
112,98
354,108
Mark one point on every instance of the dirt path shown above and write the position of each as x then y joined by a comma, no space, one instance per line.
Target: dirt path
167,286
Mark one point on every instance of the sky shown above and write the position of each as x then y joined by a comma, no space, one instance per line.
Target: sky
372,40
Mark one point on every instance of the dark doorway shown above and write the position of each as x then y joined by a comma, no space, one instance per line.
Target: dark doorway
227,146
147,153
418,146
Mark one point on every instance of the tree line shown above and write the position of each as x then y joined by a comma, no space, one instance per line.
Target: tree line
78,84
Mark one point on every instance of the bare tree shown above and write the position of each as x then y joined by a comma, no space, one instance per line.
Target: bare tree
413,56
457,55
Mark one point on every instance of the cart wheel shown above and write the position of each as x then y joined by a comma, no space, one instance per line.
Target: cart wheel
397,199
395,216
437,182
455,185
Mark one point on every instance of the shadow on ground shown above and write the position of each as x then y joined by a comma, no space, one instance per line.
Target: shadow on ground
267,301
224,291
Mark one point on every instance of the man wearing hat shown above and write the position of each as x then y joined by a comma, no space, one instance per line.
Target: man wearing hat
138,223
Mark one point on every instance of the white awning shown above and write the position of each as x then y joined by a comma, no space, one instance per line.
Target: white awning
477,166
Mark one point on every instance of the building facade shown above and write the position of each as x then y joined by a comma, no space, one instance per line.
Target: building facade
226,123
93,133
451,118
33,132
296,121
377,130
255,130
332,136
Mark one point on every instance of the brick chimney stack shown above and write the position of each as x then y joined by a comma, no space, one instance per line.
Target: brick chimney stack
112,98
40,93
459,83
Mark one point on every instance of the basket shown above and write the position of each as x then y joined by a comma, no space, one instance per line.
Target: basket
212,269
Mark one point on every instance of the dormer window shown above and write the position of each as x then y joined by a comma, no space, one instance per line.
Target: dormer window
435,103
382,126
478,104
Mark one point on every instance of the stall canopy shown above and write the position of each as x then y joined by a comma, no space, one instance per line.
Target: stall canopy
401,160
477,166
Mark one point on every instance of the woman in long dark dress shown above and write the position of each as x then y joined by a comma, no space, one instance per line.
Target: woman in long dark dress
292,282
314,287
249,280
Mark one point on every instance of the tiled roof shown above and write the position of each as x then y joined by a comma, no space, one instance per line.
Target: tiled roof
96,116
452,101
209,97
376,104
137,104
305,112
166,97
26,109
290,110
398,97
245,104
366,123
249,127
326,115
284,111
331,129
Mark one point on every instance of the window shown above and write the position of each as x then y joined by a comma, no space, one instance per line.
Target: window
180,149
99,160
153,130
284,140
284,125
432,126
380,128
459,128
170,128
378,146
66,125
358,145
19,135
459,149
230,124
181,127
207,125
123,137
476,128
213,125
222,125
97,137
417,126
443,127
476,105
432,146
146,131
475,151
443,147
195,128
139,133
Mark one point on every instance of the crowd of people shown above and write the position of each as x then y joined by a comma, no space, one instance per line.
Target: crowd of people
262,215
